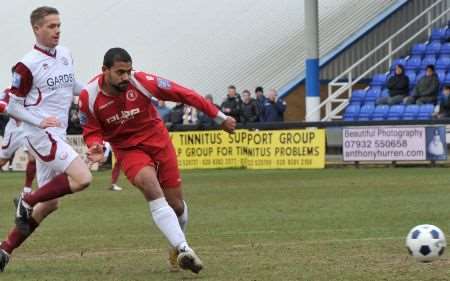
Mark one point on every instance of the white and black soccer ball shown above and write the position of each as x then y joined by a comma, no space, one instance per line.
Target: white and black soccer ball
426,242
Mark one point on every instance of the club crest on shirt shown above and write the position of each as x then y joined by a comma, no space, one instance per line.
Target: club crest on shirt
64,61
16,79
131,95
45,66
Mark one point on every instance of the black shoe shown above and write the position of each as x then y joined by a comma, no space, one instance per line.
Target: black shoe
23,215
4,259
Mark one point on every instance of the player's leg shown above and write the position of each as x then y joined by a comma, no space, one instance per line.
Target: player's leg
139,168
30,173
19,234
71,175
115,177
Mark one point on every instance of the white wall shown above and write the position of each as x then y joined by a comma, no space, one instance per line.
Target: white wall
205,45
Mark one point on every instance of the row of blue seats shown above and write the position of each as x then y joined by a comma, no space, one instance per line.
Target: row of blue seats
441,34
380,80
430,48
417,63
369,111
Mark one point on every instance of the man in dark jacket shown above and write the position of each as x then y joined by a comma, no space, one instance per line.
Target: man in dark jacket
444,104
273,110
260,99
249,109
232,104
398,86
427,89
204,119
176,114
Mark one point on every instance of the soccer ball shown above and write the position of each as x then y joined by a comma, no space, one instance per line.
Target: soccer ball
426,243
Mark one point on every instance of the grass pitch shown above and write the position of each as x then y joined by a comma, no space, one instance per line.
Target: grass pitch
333,224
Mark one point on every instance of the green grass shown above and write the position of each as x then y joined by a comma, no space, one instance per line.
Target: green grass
333,224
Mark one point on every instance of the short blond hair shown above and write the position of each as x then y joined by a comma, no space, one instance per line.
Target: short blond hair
38,14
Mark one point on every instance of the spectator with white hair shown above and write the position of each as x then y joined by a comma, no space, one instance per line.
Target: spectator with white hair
274,108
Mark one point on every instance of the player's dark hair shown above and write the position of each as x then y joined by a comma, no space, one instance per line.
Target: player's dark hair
259,89
41,12
116,54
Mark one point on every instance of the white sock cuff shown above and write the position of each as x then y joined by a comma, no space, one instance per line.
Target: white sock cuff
158,204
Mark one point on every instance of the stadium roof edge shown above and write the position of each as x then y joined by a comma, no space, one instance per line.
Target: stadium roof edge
347,43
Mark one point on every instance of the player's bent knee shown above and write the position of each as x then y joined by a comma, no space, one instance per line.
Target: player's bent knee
177,205
81,183
3,162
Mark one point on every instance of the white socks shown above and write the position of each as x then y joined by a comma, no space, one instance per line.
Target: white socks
183,219
166,220
27,189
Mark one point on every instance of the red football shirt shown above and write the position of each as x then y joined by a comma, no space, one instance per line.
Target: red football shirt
131,119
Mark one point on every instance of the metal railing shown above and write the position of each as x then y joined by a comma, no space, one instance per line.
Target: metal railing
338,97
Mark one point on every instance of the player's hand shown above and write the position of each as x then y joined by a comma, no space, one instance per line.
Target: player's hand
95,153
229,125
51,121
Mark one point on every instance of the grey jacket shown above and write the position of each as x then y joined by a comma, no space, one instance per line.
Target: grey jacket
428,86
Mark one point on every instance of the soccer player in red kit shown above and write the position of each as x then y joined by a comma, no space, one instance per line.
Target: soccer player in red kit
116,107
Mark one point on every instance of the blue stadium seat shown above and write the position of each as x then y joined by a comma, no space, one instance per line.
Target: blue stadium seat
396,112
445,48
411,112
378,80
366,111
413,63
358,96
401,61
380,112
425,111
443,62
372,95
351,112
421,74
412,78
418,49
441,74
433,48
428,59
447,79
438,34
384,93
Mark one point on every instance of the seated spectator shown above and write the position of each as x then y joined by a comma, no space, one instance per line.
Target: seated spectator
398,86
427,88
273,110
74,126
444,104
204,119
232,103
176,114
189,115
249,108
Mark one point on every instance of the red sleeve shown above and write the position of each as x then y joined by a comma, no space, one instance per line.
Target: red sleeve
22,80
92,132
4,100
167,90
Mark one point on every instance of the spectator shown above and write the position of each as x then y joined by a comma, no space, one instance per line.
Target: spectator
74,126
232,103
163,110
189,115
444,104
273,110
260,98
249,108
427,89
398,85
204,119
176,114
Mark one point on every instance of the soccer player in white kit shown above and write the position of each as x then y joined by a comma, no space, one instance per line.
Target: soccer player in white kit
42,90
14,137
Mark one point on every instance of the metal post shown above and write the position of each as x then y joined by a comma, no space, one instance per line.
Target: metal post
312,59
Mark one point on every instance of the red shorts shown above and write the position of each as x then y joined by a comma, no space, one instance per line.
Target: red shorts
164,160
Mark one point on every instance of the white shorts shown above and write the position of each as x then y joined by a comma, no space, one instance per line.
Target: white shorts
13,139
52,153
